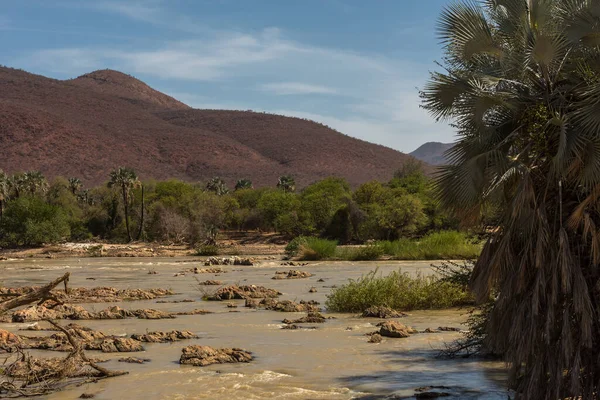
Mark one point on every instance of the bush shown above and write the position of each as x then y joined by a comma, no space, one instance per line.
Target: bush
363,253
310,248
30,221
435,246
293,247
399,291
317,249
207,250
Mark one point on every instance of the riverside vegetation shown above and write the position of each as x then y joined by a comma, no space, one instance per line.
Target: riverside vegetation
400,217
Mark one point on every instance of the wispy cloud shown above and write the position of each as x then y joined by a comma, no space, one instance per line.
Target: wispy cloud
140,10
291,88
376,98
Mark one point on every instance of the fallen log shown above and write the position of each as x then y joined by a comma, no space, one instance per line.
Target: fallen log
40,295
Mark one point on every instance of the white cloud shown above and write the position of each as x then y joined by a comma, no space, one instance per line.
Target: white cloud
376,98
290,88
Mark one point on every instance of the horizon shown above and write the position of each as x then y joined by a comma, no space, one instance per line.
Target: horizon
354,67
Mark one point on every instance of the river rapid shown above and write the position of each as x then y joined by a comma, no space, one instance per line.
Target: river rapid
334,361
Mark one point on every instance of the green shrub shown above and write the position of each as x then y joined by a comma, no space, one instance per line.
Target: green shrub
207,250
30,221
293,247
435,246
399,291
312,248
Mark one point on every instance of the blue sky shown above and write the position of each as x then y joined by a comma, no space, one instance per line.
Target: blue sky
354,65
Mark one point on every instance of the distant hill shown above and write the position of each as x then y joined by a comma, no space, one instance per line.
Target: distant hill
87,126
432,152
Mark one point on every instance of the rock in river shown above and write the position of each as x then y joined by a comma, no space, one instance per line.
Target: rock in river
395,329
310,318
120,345
243,292
291,274
162,337
382,312
201,356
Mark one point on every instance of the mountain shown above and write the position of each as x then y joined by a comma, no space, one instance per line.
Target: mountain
432,152
87,126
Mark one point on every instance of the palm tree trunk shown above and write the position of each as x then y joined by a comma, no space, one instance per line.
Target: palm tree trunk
139,235
126,206
1,210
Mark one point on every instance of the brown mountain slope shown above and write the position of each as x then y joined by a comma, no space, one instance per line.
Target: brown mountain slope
87,126
127,87
433,153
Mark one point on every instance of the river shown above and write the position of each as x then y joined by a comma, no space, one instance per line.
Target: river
333,361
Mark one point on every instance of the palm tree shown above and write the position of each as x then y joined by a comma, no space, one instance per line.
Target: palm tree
4,191
34,181
124,179
75,185
243,184
287,183
17,184
217,185
521,84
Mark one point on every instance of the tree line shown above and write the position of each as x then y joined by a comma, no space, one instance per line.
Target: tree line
35,211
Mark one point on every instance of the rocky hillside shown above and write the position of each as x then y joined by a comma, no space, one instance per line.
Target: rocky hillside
87,126
432,153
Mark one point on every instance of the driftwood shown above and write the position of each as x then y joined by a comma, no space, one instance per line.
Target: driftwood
44,385
40,295
78,352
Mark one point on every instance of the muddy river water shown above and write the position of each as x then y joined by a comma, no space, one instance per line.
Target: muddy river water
334,361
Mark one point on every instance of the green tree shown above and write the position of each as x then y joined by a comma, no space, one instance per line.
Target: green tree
243,184
276,205
34,181
17,184
30,221
521,83
75,185
287,183
323,199
124,179
217,186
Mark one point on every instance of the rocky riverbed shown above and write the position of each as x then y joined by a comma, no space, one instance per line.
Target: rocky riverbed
324,356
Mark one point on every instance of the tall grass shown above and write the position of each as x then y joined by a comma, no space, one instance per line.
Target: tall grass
399,291
447,245
435,246
362,253
309,248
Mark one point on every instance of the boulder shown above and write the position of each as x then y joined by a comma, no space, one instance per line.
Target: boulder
209,270
375,338
114,312
163,337
289,306
395,329
291,274
210,283
8,340
120,345
201,356
382,312
228,261
243,292
310,318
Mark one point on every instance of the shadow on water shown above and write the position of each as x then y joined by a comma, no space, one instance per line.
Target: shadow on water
411,369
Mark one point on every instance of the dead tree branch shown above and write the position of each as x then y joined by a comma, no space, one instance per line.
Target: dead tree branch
40,295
